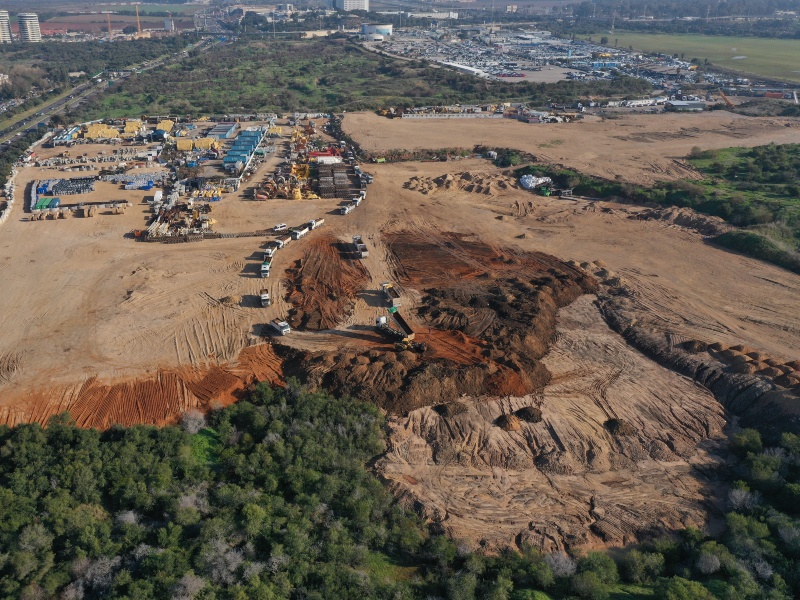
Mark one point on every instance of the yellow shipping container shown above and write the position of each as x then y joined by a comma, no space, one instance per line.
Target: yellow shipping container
205,143
100,131
166,125
184,145
133,126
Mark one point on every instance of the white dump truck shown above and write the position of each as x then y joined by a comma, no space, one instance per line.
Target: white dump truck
264,296
300,232
359,247
265,267
315,223
346,209
281,327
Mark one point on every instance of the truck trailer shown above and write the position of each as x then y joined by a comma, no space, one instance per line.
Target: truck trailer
391,294
281,327
264,296
359,247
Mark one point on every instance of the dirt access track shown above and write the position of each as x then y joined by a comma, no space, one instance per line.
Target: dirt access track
636,148
119,331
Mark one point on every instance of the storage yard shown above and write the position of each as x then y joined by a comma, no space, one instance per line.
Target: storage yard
468,308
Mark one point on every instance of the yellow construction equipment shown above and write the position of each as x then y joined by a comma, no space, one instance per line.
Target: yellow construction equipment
725,98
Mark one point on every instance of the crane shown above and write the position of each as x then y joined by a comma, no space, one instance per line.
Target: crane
138,21
108,15
725,98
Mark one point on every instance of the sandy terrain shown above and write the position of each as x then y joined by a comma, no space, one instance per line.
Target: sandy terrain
115,330
639,148
566,480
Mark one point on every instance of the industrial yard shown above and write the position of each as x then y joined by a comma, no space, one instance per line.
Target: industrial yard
469,309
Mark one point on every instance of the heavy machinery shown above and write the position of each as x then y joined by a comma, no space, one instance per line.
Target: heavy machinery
391,294
359,247
265,268
264,296
728,103
403,337
281,327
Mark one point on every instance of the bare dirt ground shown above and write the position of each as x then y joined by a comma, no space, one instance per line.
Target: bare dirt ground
566,480
119,331
639,148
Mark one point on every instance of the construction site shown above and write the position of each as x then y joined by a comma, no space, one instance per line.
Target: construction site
509,337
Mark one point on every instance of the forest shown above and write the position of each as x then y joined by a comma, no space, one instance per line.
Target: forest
324,74
272,498
48,65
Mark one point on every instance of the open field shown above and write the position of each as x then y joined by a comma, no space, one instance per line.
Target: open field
774,58
99,23
115,330
636,148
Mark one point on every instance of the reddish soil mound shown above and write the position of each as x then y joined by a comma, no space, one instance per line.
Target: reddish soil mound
487,317
322,286
157,400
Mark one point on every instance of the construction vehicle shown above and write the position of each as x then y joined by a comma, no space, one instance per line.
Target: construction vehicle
346,209
265,267
391,294
264,296
403,338
359,247
728,103
315,223
282,327
269,252
300,232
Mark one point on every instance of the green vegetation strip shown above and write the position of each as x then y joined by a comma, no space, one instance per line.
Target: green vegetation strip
325,74
776,58
757,189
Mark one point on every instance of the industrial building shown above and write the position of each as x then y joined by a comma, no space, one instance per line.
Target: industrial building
29,27
384,30
5,28
223,131
685,106
348,5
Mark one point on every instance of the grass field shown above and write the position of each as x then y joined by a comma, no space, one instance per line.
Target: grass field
756,56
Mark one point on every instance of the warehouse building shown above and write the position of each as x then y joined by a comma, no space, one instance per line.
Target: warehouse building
224,131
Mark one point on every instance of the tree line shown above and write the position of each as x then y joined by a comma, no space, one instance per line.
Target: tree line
270,498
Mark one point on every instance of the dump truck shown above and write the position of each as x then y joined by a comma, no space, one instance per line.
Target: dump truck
314,223
359,247
265,267
300,232
346,209
403,338
281,327
391,294
264,296
283,241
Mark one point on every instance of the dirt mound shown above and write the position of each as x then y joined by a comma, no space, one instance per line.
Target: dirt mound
322,286
156,400
529,414
475,183
695,346
484,334
509,423
619,427
685,217
562,479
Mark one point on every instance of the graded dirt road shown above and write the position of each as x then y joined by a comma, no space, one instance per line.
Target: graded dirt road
636,148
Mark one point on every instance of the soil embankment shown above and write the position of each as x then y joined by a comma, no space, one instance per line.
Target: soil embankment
612,450
486,315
